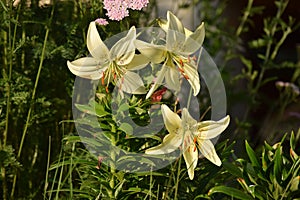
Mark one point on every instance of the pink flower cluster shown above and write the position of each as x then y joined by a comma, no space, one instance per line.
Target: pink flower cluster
137,4
118,9
101,21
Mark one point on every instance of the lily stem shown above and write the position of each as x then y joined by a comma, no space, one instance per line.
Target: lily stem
177,178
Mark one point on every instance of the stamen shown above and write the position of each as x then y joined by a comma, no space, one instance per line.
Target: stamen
185,76
106,89
102,78
181,70
181,62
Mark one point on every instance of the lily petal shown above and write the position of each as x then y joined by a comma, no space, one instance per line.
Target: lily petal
190,156
139,61
131,83
95,45
171,120
163,24
87,67
194,41
193,77
207,148
124,50
155,53
172,79
158,82
175,37
187,118
170,143
211,129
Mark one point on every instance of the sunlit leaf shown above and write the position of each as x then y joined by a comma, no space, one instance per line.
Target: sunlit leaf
232,192
252,155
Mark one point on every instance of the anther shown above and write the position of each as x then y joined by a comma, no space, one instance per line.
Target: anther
102,78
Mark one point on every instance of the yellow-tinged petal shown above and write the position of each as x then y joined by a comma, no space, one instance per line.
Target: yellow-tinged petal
131,83
163,24
193,77
187,119
155,53
211,129
124,50
170,143
194,41
158,82
207,148
139,61
171,120
172,79
87,67
190,156
95,45
175,37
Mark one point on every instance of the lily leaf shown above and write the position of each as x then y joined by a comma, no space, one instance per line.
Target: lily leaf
252,156
232,192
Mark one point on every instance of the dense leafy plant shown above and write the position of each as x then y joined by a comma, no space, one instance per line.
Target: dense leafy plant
272,175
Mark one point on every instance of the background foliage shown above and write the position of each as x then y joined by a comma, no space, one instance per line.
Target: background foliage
41,156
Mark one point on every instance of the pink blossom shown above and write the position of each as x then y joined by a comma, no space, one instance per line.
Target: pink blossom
116,9
137,4
101,21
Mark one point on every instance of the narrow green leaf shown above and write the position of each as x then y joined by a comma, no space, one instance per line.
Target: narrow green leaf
232,192
127,128
99,112
252,156
278,165
292,140
232,169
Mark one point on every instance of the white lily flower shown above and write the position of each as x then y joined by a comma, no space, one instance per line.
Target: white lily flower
190,135
180,44
112,65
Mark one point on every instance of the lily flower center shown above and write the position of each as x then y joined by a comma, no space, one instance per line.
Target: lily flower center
113,73
181,62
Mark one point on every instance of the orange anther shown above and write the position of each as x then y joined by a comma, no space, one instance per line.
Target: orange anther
195,140
186,76
102,78
181,62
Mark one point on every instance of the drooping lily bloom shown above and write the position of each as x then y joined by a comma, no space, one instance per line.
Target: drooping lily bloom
175,54
114,65
190,135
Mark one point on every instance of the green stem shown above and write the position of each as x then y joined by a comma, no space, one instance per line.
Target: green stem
112,168
47,169
3,143
35,85
179,162
33,97
71,169
245,17
177,178
7,37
